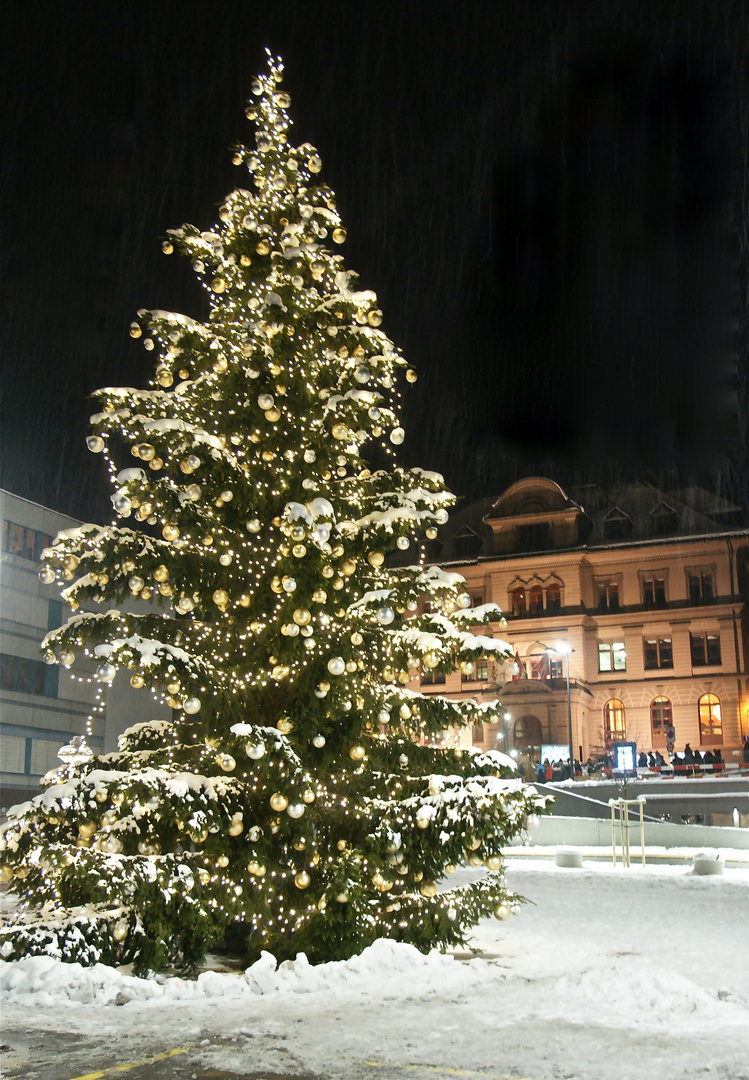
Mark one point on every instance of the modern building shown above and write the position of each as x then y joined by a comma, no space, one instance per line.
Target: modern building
636,589
43,705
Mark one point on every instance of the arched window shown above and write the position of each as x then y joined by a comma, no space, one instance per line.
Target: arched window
536,601
661,718
518,601
526,733
711,723
614,721
553,597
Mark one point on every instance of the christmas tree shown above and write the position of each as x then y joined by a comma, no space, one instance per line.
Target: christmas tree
303,797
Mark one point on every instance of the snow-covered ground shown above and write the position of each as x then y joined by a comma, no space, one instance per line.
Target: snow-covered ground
608,974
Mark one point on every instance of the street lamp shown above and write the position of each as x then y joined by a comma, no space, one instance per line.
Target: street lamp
563,649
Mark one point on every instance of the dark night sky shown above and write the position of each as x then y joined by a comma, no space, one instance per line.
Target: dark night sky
550,199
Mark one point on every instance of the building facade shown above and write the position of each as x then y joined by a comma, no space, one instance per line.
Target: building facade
43,705
637,589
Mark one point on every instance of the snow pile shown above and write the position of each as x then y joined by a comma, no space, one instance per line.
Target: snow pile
385,965
633,992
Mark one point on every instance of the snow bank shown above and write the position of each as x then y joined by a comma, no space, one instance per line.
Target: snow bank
44,981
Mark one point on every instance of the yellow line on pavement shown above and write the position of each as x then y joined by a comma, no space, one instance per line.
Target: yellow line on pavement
132,1064
440,1069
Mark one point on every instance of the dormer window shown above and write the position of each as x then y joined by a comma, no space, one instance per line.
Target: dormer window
466,542
617,525
665,519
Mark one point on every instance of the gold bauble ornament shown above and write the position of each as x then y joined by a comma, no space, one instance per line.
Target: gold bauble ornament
222,861
430,660
302,880
218,284
120,930
278,802
501,912
374,318
467,667
493,862
235,828
473,844
422,821
255,868
161,573
100,796
308,796
225,762
262,247
340,432
146,452
341,845
299,551
284,725
411,375
376,558
245,600
357,753
474,860
428,888
404,712
137,681
170,532
356,638
348,566
450,868
327,571
319,596
302,616
221,597
86,829
431,533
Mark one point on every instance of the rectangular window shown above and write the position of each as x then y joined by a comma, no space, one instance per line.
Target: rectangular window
433,678
556,669
23,676
705,649
481,674
608,595
14,753
23,542
654,592
701,587
611,656
44,756
658,653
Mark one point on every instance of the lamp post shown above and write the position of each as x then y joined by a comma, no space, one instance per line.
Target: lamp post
563,649
506,718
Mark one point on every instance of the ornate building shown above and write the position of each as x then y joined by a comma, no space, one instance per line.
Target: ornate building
636,588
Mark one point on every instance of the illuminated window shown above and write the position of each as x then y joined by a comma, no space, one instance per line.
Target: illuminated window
705,649
614,721
536,601
23,542
658,653
611,656
553,598
661,716
711,723
518,602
